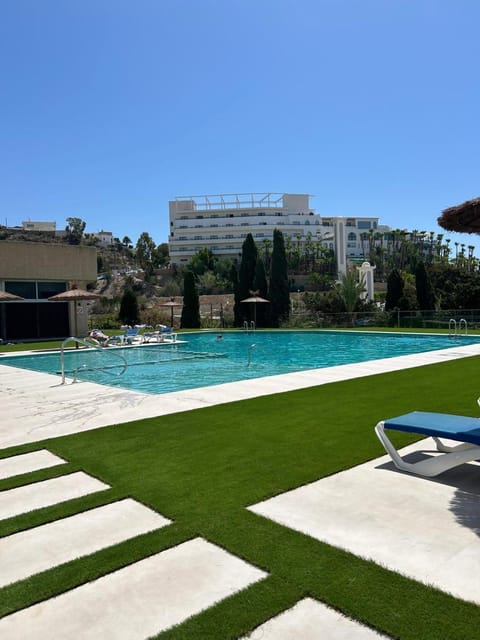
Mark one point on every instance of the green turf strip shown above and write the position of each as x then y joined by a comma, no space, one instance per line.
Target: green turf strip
201,468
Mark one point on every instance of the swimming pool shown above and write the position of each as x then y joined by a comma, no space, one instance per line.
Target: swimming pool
202,359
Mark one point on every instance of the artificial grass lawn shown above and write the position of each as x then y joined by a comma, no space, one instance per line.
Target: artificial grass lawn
202,468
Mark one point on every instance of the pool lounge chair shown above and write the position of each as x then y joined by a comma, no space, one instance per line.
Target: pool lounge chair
463,429
132,336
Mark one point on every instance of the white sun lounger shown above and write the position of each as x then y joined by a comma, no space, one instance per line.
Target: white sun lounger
464,429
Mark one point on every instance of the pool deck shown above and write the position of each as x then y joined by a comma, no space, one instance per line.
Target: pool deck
36,406
401,511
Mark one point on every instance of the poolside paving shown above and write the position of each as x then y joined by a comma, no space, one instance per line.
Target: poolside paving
425,528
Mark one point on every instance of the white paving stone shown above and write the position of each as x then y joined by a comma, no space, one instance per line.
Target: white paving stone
425,528
13,502
32,551
137,601
312,620
27,462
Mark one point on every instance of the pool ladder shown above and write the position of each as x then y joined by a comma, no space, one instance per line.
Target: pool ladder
90,345
249,327
455,328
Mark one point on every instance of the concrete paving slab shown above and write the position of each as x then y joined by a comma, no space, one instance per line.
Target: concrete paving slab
38,549
38,407
312,620
28,462
140,600
13,502
425,528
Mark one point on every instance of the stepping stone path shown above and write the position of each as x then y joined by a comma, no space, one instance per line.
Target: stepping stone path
134,602
141,599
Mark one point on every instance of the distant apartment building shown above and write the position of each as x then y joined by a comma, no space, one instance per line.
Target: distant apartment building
221,223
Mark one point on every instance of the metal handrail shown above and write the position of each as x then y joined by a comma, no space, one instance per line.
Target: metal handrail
90,345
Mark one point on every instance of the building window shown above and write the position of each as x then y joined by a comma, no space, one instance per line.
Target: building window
352,237
363,224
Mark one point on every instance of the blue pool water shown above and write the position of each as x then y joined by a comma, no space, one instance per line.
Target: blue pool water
204,360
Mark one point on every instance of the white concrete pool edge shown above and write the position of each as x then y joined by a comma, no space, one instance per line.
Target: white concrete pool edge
37,407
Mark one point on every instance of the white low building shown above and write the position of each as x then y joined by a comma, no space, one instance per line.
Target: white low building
221,223
36,225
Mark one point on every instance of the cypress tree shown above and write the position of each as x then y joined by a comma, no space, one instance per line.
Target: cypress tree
260,286
279,289
237,309
395,286
423,285
247,267
128,313
246,275
191,306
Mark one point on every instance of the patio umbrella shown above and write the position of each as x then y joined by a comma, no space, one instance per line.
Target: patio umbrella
464,218
9,297
74,295
172,304
255,299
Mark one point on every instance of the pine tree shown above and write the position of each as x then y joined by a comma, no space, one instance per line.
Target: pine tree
279,289
191,306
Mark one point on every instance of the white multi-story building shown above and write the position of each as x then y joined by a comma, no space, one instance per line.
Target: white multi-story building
221,223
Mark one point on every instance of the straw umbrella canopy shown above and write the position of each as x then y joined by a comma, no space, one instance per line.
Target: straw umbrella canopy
9,297
255,299
74,295
464,218
172,304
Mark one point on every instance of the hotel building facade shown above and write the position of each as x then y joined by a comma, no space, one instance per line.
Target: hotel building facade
221,223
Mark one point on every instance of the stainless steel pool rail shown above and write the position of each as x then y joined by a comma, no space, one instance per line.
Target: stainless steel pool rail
87,343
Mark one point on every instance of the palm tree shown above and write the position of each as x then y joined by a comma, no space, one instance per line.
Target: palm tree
350,290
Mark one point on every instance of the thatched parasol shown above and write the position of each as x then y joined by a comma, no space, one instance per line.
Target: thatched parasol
74,295
464,218
254,299
9,297
172,304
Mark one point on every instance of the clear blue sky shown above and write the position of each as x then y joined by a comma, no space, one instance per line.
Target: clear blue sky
109,108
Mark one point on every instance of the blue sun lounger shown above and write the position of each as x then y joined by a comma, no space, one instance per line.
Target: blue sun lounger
464,429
